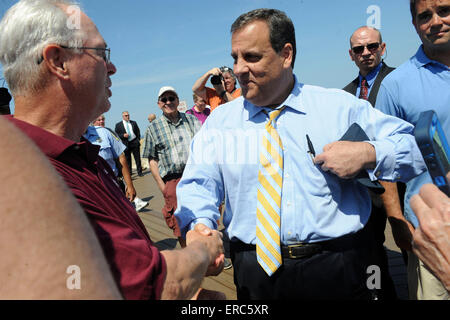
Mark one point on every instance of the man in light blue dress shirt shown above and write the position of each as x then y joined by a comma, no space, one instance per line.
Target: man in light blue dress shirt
421,83
323,210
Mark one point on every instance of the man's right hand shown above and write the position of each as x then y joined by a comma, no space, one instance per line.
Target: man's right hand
212,239
214,72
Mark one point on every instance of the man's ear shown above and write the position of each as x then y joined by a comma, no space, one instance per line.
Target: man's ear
288,54
383,48
55,59
350,52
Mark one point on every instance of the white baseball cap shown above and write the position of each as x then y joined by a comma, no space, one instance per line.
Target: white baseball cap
165,89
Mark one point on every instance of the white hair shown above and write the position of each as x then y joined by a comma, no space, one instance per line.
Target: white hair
25,30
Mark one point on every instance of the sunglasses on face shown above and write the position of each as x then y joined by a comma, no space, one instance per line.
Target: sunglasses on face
372,47
164,100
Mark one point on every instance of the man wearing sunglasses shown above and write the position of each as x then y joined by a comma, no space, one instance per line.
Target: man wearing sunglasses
421,83
366,50
166,145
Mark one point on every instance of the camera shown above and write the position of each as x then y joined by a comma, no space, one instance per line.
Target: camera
434,147
216,80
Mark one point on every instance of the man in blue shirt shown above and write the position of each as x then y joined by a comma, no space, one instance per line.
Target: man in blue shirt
322,213
419,84
366,50
112,150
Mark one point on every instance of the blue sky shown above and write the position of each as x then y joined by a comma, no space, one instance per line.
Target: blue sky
155,43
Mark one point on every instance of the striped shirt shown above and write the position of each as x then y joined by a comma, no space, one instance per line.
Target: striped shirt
168,143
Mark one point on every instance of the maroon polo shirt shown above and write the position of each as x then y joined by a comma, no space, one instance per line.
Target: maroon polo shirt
137,266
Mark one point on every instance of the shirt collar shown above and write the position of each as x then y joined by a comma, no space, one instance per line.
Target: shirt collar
292,101
50,144
420,59
370,77
180,119
91,132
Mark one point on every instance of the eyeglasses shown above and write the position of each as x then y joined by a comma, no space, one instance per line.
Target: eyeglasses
372,47
164,100
106,53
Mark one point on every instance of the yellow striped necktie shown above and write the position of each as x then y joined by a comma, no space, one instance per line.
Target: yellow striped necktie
270,178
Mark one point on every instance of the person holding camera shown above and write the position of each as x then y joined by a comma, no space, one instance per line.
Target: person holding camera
224,82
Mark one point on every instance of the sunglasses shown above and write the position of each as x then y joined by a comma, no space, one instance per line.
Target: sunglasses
164,100
372,47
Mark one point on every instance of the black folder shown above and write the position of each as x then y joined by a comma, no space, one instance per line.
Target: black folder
356,133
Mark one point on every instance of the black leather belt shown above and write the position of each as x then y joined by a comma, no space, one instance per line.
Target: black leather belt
304,250
294,251
300,250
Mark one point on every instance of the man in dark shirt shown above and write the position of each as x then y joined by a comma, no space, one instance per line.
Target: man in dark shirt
57,93
366,50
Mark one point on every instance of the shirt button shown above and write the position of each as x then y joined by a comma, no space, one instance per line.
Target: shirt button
289,203
377,174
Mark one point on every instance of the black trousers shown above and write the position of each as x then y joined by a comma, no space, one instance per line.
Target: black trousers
377,222
339,272
134,147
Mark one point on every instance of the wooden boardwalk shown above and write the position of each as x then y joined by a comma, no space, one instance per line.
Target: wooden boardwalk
164,239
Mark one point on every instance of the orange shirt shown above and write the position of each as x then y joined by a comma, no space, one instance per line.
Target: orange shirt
214,100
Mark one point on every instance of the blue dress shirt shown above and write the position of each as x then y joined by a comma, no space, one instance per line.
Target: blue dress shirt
370,78
110,146
316,205
418,85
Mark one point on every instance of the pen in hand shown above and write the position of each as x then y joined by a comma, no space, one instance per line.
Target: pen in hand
311,150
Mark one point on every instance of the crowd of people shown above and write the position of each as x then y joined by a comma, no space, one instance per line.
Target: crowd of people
301,225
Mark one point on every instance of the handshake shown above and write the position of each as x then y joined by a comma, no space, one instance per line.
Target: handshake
212,242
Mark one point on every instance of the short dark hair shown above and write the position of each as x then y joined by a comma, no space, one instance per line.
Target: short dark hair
412,8
281,28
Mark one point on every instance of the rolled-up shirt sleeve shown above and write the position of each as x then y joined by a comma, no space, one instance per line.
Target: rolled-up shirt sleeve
398,157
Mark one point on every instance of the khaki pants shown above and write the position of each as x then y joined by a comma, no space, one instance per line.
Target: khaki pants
422,284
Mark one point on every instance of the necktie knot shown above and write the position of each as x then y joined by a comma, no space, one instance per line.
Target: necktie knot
273,115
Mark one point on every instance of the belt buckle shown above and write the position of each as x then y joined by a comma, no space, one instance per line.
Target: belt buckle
291,254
